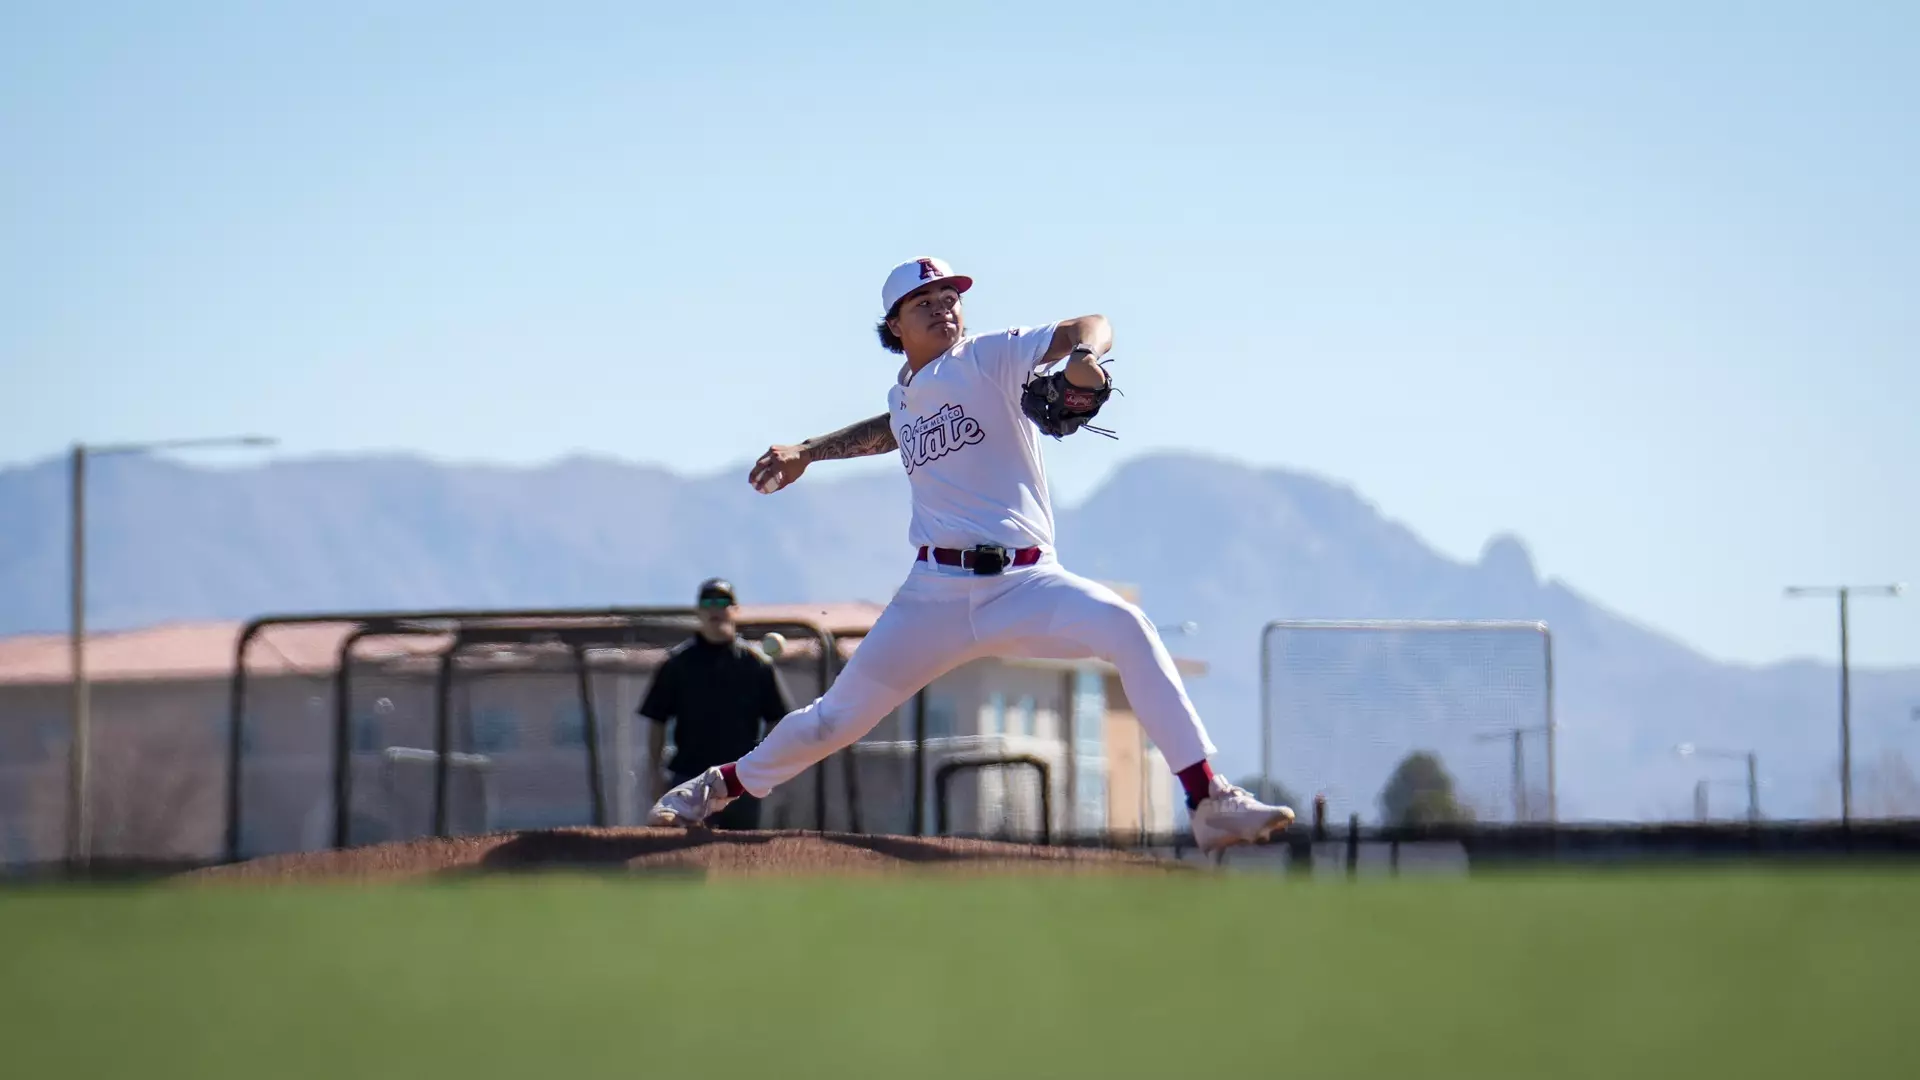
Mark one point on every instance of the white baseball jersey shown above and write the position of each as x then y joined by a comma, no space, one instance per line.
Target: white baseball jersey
973,458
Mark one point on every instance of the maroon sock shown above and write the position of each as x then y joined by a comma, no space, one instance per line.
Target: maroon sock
733,781
1198,780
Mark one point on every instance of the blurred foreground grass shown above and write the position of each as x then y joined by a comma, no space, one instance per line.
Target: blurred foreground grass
1738,973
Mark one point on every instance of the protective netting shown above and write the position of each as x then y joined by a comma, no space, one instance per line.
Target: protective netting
519,701
1011,803
511,701
507,696
1410,722
518,726
34,745
286,712
390,688
153,777
995,791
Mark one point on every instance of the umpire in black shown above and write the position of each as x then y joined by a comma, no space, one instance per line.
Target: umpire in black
716,691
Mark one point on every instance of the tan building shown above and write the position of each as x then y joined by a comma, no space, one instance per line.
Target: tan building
162,700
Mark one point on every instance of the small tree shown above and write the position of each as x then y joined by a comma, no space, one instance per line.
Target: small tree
1421,792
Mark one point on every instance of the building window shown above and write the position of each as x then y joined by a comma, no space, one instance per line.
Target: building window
1047,722
993,715
1089,710
1086,720
1023,717
494,730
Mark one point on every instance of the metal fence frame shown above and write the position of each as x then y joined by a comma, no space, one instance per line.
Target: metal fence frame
947,770
1442,625
578,628
343,722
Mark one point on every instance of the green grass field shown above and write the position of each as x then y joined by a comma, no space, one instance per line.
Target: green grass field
1735,973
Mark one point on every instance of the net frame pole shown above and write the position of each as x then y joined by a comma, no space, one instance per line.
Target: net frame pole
1553,728
443,729
590,726
341,776
341,779
237,736
1537,625
919,817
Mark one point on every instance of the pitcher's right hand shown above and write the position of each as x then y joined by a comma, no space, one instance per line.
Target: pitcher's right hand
778,467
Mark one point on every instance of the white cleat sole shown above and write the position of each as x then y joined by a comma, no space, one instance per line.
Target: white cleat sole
1278,821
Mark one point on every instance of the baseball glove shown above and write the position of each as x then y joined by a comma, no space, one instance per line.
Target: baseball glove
1059,408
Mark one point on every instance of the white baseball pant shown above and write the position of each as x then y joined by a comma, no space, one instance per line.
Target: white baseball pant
942,617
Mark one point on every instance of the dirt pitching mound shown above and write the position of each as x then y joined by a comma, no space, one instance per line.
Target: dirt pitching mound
681,853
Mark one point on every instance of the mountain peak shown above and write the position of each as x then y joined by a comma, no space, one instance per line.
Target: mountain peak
1505,558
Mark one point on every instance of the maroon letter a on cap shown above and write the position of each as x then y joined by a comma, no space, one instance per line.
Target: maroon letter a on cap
927,270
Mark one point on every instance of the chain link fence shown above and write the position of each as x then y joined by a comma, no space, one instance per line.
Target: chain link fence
1409,722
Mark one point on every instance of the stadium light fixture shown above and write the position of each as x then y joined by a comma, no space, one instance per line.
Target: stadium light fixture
1843,592
79,804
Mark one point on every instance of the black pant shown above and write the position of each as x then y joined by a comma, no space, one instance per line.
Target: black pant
742,813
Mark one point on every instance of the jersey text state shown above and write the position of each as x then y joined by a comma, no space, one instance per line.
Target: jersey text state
932,437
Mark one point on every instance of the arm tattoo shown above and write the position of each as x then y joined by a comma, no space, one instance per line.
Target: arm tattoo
864,439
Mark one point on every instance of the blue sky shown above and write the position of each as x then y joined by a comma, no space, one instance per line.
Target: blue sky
1637,284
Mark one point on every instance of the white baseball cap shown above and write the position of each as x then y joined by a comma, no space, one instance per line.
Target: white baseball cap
914,273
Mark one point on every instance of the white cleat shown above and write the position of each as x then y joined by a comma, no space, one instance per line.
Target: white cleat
1230,815
693,802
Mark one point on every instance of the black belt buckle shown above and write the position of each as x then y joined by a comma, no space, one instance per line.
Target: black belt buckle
989,558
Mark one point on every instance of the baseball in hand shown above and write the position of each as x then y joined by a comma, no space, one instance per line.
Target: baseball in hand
778,467
773,645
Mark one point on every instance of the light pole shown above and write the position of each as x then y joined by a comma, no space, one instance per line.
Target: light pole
79,801
1846,722
1753,773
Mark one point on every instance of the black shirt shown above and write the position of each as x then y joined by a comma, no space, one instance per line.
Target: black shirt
716,696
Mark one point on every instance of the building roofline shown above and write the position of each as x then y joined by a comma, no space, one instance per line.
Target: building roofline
198,650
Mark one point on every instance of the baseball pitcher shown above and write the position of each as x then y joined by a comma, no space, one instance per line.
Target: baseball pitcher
966,414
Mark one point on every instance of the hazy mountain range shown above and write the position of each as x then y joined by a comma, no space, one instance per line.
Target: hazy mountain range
1209,541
